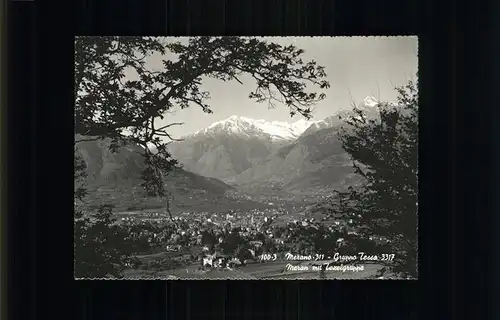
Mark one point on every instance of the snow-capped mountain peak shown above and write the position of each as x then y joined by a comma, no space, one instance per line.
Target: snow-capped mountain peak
369,107
302,125
370,102
277,130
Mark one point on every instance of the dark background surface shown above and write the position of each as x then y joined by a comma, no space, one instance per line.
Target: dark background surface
456,119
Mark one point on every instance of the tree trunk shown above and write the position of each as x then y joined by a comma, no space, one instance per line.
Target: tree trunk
168,209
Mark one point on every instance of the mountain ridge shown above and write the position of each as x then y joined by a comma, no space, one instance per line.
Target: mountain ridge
276,130
115,178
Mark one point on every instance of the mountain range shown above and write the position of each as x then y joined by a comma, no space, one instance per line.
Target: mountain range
258,156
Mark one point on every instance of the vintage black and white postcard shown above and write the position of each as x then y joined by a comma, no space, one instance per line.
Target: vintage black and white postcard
246,158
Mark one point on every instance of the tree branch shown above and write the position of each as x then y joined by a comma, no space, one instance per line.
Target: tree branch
89,139
165,134
170,125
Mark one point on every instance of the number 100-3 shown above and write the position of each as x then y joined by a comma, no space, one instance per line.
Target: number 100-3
268,257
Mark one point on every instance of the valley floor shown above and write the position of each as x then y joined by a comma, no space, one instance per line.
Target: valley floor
174,247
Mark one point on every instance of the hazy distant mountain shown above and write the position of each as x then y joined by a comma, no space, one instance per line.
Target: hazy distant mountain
229,147
314,162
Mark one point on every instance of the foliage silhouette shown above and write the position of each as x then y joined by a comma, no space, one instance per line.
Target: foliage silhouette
385,153
101,249
108,105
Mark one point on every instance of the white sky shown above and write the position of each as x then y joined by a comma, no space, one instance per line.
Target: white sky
357,66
